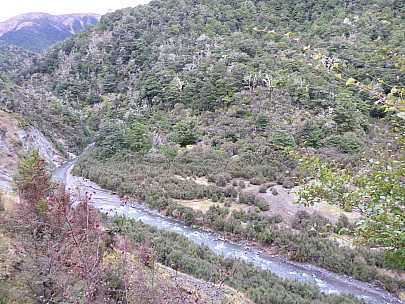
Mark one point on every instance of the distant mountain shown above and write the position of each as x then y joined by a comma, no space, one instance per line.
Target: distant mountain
37,31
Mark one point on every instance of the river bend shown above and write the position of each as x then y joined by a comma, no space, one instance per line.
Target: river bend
327,281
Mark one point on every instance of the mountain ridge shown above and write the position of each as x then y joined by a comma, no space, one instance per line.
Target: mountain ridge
37,31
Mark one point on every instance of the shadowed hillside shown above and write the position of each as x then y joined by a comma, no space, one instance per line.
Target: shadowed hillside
37,31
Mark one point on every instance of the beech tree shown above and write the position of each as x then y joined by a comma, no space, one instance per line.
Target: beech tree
33,183
62,244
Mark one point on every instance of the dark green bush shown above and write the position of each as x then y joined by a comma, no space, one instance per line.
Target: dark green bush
348,142
2,207
262,203
184,133
257,180
263,188
313,134
220,181
247,198
230,191
282,139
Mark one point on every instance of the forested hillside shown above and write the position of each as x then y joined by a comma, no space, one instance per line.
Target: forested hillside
206,58
12,58
198,107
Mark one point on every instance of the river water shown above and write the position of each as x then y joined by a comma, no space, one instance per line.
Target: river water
327,281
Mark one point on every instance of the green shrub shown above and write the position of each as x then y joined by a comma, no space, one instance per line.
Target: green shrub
211,178
2,207
346,114
348,143
313,134
261,203
257,180
4,295
261,121
288,183
220,181
263,188
343,225
282,139
230,192
247,198
184,133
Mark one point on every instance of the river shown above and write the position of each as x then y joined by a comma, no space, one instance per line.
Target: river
327,281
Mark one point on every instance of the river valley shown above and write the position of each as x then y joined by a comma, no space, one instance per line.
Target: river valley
327,281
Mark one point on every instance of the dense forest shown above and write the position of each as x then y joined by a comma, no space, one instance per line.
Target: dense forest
12,59
226,102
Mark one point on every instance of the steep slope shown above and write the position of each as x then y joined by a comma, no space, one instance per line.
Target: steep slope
189,103
156,283
61,123
37,31
215,40
185,72
169,74
15,141
237,92
12,58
